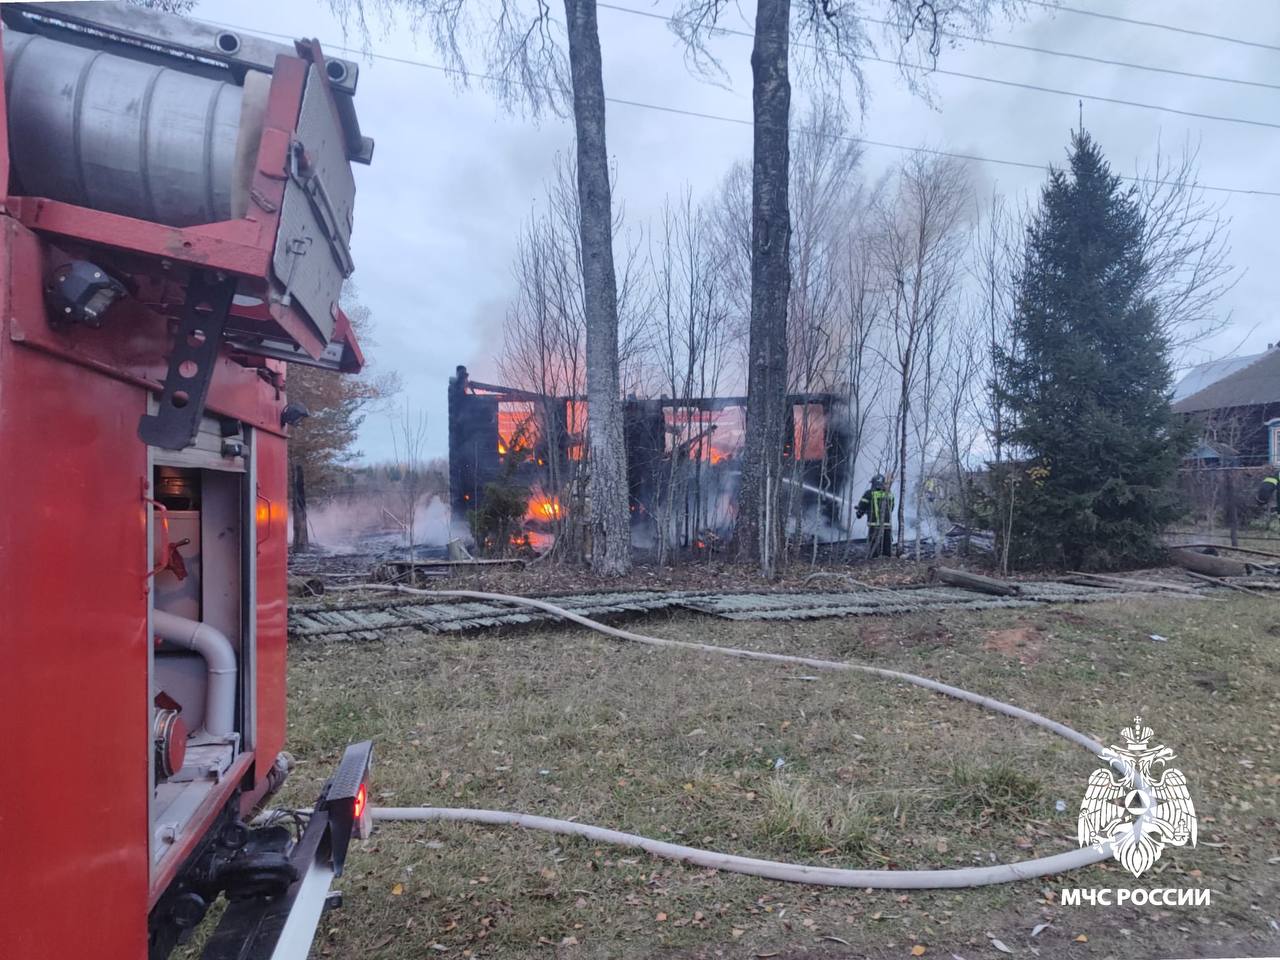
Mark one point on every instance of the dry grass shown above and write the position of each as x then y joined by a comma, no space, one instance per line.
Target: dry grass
686,747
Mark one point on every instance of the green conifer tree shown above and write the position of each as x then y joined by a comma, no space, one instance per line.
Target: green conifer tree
1086,379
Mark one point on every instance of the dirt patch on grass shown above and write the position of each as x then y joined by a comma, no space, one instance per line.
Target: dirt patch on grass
880,635
1024,643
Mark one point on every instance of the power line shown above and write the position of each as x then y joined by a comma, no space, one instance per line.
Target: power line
1010,45
739,121
1150,23
1089,58
1074,94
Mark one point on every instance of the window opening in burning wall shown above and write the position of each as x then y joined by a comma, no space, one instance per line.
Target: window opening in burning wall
519,433
712,436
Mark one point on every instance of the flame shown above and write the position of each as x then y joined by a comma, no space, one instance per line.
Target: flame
518,430
544,507
575,422
809,428
532,539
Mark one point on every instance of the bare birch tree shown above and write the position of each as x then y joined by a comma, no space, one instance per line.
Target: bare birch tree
865,306
919,250
730,232
409,442
689,343
995,250
826,201
965,361
1187,247
544,335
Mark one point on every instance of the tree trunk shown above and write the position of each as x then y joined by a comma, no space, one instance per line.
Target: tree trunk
1233,517
760,521
300,539
610,517
904,412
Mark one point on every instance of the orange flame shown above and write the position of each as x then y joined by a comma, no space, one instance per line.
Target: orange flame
543,507
518,430
532,539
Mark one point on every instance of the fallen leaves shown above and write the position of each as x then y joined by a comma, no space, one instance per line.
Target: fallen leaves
397,889
917,951
998,943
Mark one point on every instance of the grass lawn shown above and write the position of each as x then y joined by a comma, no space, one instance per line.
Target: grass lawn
762,760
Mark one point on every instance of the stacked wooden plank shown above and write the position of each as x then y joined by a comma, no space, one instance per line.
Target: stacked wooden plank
812,606
369,619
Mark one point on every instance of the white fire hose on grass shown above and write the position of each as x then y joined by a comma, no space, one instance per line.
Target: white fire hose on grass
771,869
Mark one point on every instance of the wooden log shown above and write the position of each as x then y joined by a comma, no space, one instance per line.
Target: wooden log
439,565
1131,581
1088,580
975,581
1223,546
1209,565
1218,582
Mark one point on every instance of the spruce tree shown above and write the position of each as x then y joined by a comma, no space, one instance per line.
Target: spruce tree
1086,379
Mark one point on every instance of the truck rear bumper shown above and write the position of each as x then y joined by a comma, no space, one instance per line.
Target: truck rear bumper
283,928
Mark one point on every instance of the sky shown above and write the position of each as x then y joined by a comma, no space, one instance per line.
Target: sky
455,173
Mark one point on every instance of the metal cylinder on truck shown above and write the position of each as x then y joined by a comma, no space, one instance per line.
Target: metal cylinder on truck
128,136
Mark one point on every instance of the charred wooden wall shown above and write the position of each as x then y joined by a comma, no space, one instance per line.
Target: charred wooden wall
475,439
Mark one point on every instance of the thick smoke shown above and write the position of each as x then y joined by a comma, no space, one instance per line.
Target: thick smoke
362,523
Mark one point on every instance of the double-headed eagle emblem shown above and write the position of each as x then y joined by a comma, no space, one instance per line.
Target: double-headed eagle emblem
1137,803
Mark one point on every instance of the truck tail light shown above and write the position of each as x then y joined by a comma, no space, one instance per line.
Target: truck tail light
346,800
362,813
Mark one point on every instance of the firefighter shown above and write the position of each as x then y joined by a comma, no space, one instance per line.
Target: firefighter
877,506
1268,489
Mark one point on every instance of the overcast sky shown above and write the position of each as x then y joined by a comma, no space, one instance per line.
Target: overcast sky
455,174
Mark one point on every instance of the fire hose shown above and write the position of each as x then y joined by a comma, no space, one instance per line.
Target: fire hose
771,869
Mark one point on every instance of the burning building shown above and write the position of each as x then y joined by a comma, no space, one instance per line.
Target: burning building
683,460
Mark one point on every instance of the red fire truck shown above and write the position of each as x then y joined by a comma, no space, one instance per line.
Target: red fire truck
175,223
